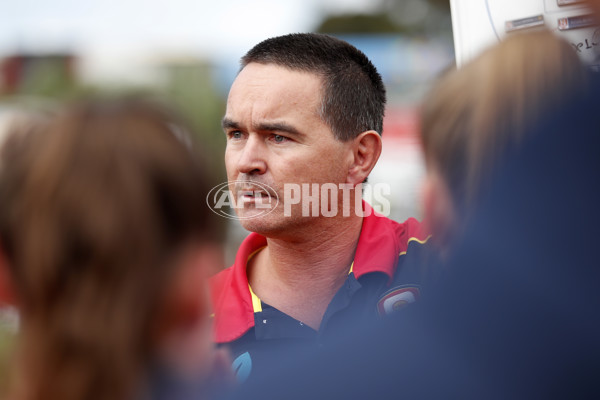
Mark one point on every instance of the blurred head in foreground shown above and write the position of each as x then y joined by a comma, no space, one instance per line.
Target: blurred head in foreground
103,229
473,114
594,5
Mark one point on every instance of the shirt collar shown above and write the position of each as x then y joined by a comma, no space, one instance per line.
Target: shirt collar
232,301
380,243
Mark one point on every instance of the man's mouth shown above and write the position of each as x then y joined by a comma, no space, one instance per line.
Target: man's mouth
254,194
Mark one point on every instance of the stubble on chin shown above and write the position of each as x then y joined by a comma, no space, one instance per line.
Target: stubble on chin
275,224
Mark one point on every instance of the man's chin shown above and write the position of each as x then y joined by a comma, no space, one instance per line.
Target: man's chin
265,225
256,227
252,213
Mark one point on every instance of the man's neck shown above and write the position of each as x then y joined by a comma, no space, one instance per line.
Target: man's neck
300,277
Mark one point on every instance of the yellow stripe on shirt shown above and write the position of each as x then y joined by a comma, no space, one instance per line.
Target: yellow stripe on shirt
414,239
256,303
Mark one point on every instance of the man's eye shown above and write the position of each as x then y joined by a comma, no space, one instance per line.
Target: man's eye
235,135
279,138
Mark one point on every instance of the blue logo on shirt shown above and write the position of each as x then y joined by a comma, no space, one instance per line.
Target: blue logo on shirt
242,367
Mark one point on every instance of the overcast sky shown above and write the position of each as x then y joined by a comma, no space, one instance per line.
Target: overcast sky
112,32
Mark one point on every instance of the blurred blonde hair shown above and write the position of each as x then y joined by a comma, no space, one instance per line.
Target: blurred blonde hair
473,113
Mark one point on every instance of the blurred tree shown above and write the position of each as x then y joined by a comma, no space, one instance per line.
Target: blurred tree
430,17
441,4
190,90
359,23
43,82
50,75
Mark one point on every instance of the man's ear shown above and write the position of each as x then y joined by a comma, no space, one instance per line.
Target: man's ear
366,149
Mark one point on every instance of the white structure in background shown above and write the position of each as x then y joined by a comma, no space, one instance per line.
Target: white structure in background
478,24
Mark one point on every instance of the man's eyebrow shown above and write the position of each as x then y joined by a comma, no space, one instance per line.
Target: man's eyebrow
227,123
278,127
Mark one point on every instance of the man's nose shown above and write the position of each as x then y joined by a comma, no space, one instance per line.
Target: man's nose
252,159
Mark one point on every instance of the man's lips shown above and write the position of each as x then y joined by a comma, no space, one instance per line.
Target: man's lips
252,193
249,189
249,192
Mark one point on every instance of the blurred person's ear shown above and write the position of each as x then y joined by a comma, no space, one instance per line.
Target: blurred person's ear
438,208
184,331
6,286
366,149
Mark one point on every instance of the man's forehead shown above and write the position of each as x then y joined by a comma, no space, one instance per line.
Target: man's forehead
267,90
258,74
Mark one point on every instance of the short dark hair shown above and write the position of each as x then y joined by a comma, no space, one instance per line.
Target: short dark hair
353,94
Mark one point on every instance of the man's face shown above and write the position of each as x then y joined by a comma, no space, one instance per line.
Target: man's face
275,136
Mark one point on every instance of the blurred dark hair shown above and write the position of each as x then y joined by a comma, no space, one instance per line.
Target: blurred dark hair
353,94
96,204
